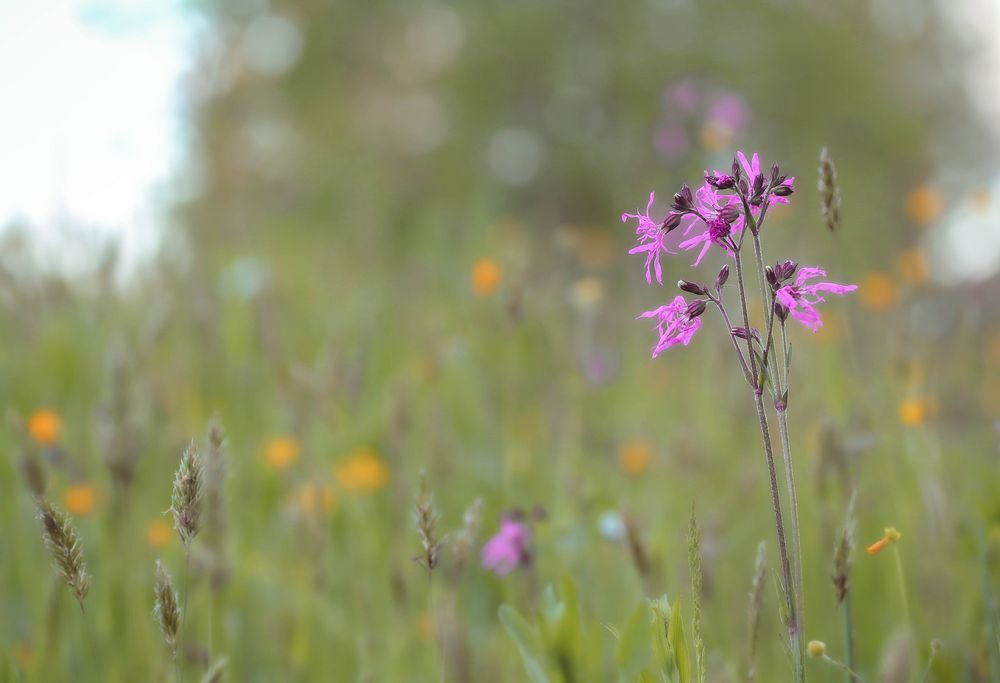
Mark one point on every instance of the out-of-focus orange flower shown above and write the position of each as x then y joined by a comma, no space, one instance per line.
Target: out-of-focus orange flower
878,292
912,266
994,349
362,472
485,276
634,457
24,655
282,452
45,427
80,499
914,411
924,204
311,499
891,536
159,533
981,199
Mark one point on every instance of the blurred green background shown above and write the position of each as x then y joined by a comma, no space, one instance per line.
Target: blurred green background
395,245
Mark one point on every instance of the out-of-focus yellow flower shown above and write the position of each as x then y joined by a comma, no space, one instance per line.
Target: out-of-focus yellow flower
891,536
595,248
282,452
912,266
425,625
924,204
485,276
878,292
44,426
587,293
634,457
714,137
311,499
914,411
79,499
159,533
362,472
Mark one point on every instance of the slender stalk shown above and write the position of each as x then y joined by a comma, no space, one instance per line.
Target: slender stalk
793,512
794,628
736,346
849,637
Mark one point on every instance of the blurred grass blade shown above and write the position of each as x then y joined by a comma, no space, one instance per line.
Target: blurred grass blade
526,639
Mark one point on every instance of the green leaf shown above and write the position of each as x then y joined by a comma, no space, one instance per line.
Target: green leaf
675,634
632,652
526,639
662,651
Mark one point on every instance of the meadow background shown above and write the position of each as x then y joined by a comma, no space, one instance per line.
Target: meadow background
395,246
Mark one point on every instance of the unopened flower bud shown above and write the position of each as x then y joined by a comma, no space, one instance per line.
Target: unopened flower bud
816,648
720,181
781,311
683,200
740,333
691,287
695,308
783,190
672,221
758,185
722,277
774,173
772,279
785,270
729,214
744,186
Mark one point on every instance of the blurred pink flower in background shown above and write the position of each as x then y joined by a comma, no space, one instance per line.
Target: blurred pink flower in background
508,549
728,110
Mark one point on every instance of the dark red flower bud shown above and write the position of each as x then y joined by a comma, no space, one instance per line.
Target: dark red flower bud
729,214
683,200
672,221
783,190
720,181
695,308
691,287
740,333
723,276
781,311
772,278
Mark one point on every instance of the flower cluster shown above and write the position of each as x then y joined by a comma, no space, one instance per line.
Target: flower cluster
719,213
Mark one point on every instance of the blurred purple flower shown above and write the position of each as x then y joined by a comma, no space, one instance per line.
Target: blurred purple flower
508,550
727,110
677,323
671,142
681,97
651,241
800,298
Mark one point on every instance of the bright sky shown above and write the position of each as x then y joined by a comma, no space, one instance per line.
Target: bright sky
89,129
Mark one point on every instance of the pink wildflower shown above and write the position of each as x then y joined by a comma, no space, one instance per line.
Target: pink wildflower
677,322
508,550
651,241
720,216
752,170
800,298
